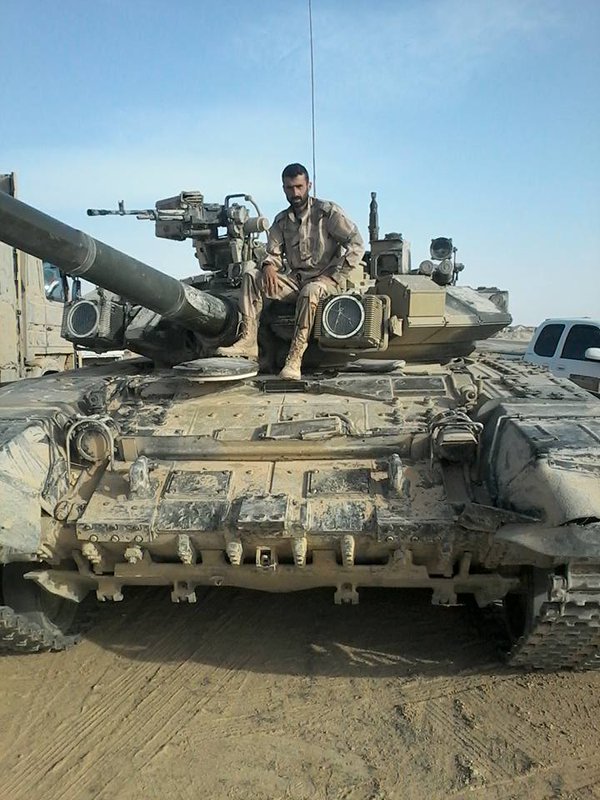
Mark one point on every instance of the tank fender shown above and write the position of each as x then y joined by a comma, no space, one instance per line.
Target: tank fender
25,466
572,541
545,463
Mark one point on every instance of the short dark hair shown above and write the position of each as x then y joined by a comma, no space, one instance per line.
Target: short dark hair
293,170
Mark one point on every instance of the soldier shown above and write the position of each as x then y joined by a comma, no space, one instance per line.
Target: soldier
320,244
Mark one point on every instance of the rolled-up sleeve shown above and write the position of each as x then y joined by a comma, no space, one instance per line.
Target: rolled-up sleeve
346,234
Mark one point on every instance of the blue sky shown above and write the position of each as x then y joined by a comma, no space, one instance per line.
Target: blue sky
476,119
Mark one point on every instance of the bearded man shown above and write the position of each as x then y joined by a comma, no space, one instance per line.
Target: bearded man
320,245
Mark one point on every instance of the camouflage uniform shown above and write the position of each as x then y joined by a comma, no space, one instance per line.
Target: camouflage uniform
320,245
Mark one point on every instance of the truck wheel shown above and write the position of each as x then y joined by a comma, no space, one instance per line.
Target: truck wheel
32,619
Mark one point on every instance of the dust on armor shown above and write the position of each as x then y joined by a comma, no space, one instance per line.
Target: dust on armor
402,458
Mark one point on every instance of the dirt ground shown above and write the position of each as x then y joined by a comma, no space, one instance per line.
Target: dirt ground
253,696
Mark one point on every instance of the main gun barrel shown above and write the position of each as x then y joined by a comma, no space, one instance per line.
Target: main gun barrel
80,255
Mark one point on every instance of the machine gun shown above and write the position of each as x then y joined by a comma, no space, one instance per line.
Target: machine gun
187,216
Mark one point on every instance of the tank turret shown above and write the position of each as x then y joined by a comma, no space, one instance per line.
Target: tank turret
388,311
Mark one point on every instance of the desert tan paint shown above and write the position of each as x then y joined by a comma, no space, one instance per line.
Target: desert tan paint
30,343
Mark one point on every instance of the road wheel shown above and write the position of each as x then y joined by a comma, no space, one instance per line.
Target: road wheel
521,608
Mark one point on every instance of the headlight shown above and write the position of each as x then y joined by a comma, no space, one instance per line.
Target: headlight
353,322
96,322
441,248
82,319
343,317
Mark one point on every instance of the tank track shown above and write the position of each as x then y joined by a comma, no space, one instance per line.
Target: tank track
564,634
19,634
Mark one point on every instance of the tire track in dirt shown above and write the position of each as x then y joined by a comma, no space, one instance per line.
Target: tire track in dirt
147,740
487,752
158,724
460,682
245,724
501,750
528,719
241,733
469,745
268,765
96,719
90,730
477,754
524,735
556,782
31,694
519,753
268,698
287,728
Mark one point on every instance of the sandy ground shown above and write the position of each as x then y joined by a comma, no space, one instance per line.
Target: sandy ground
511,341
256,696
518,333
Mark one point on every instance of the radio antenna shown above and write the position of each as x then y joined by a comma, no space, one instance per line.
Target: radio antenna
312,98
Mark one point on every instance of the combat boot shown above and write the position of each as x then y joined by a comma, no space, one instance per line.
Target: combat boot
293,362
247,345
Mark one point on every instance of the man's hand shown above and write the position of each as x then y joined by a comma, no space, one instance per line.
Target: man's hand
270,274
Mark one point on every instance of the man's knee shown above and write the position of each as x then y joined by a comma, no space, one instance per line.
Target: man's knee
315,290
253,283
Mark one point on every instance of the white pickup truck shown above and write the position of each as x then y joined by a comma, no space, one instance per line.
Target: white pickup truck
570,348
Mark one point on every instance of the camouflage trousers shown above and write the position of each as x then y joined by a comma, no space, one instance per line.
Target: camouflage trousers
291,288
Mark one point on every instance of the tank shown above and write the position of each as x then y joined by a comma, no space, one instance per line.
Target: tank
404,458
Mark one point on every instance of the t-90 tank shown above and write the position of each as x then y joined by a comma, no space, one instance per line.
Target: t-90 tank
403,458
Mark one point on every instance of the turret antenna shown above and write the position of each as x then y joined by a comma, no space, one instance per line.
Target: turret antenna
312,98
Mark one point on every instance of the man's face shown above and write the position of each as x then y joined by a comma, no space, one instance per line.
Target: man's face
296,190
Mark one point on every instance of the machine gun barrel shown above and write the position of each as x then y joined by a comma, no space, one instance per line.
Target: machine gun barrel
140,213
80,255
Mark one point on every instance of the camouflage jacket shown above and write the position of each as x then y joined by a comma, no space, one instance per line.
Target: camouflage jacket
321,241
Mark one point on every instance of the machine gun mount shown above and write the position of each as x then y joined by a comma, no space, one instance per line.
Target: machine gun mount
187,216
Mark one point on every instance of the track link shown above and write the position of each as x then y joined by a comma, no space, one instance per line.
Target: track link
563,636
20,634
565,631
